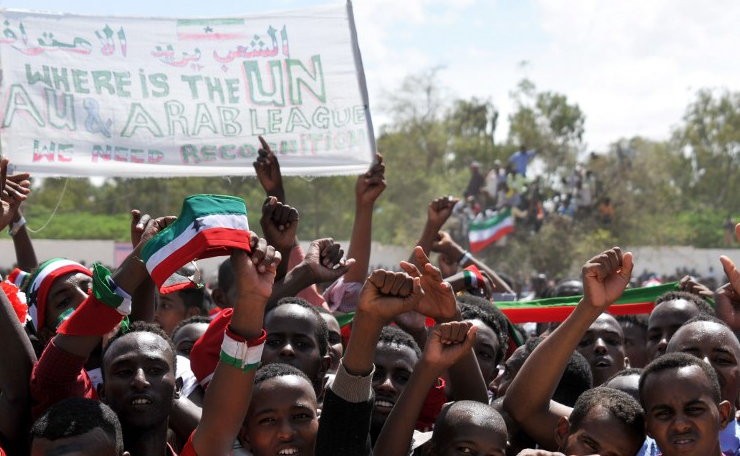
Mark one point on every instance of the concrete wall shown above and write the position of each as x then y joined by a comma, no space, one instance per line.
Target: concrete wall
662,260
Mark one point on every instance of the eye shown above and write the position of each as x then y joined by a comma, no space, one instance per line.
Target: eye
402,377
273,341
694,410
335,338
724,361
654,337
663,414
484,355
303,416
267,421
155,371
124,372
586,341
464,450
65,302
613,341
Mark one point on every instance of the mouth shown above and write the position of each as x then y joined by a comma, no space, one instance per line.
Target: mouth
290,451
602,362
682,441
141,402
384,405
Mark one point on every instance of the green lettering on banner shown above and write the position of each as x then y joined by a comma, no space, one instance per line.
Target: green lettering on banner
203,118
232,89
102,80
299,76
61,117
296,119
274,119
139,118
320,117
34,76
256,87
229,124
80,82
59,78
18,100
192,83
159,81
123,80
174,111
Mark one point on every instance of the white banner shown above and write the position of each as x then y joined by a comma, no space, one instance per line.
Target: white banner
142,97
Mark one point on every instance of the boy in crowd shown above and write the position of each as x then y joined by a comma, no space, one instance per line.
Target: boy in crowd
603,347
685,418
603,420
78,426
671,310
175,307
634,328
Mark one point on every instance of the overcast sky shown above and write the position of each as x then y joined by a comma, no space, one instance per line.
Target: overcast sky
632,66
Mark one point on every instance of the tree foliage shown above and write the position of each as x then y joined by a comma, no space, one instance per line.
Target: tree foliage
676,191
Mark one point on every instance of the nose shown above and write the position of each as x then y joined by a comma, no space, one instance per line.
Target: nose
287,351
286,432
386,385
660,348
139,381
600,346
681,424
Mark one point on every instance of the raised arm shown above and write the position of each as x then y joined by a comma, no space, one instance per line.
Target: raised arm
528,398
279,224
445,245
15,190
267,168
438,212
16,363
438,302
368,188
142,299
446,345
229,393
345,420
323,263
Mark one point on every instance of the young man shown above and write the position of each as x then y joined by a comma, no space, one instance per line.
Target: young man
604,420
282,418
634,328
175,307
712,341
297,335
603,347
671,310
686,418
83,427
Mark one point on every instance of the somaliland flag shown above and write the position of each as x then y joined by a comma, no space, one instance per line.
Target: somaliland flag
211,29
632,301
483,233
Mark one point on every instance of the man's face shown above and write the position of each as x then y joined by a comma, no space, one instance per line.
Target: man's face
67,292
92,443
683,419
635,338
506,375
291,339
170,311
336,349
665,320
393,366
601,433
139,379
185,337
486,349
282,418
717,345
603,347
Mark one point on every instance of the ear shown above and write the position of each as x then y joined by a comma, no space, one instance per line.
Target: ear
325,365
561,433
243,435
219,298
725,413
178,387
626,363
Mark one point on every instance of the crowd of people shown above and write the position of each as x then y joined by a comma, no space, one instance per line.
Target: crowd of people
577,197
310,353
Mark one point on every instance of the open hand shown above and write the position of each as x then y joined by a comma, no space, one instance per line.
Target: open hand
438,300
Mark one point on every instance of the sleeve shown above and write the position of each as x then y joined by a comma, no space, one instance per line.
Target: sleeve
343,296
58,375
187,449
345,418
